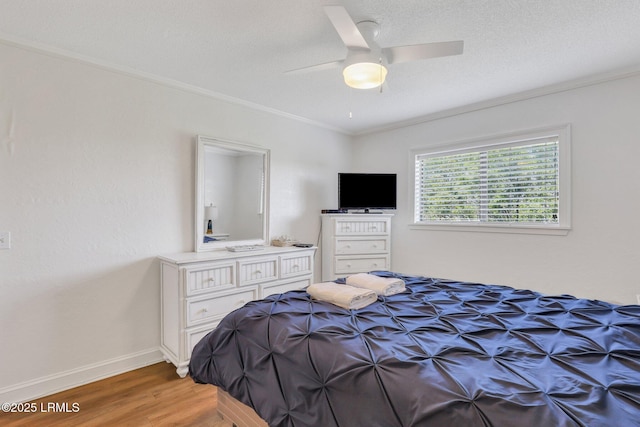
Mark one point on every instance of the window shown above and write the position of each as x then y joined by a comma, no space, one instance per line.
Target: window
510,183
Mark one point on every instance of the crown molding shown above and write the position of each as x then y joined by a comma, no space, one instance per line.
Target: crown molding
569,85
55,52
494,102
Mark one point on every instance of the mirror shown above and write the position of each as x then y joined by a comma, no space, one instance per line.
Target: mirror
232,194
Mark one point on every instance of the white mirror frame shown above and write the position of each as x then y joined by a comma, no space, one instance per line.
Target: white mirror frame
204,142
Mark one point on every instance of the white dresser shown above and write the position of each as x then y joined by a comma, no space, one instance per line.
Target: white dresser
355,243
199,288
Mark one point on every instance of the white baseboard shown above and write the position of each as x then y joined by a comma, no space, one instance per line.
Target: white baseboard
55,383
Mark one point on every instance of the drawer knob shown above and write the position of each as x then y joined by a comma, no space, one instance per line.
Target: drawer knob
212,280
202,311
348,246
240,302
295,267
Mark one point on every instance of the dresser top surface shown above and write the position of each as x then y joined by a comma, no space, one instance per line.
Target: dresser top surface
371,215
219,255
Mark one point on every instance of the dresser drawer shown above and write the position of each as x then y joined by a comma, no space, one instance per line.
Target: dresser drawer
346,227
195,335
296,265
280,288
210,278
366,245
361,264
205,309
257,271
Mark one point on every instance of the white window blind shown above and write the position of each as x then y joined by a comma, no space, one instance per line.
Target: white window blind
515,182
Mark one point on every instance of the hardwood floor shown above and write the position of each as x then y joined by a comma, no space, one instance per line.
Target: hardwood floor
150,396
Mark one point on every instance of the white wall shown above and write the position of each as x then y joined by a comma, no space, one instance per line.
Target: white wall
97,178
597,259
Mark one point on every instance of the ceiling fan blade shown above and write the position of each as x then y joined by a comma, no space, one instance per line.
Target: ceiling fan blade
317,67
416,52
346,28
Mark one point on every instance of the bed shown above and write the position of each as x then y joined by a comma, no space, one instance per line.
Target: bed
442,353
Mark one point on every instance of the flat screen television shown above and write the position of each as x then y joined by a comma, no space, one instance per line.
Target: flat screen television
366,191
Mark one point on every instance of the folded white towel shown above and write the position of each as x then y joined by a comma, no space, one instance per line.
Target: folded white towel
342,295
381,285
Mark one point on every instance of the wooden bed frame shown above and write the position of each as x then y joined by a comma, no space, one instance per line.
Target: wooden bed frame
236,412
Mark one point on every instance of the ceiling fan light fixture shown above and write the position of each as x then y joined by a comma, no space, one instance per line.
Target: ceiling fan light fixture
364,75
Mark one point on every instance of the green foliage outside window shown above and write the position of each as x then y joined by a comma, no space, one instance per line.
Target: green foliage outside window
511,184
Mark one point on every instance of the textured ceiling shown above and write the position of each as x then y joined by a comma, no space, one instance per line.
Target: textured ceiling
241,49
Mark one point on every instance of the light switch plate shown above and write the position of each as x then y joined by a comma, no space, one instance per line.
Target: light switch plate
5,240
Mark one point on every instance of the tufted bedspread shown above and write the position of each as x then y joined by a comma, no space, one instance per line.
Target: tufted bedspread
443,353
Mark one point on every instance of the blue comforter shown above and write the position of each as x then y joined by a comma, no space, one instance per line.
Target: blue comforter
443,353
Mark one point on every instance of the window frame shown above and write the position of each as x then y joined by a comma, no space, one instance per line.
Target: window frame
562,132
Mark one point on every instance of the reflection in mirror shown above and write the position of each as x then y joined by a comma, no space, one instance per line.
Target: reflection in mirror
232,185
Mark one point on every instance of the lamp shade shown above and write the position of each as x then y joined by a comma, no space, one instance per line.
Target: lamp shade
364,75
211,212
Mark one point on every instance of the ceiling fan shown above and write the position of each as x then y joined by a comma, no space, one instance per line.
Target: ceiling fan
365,66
